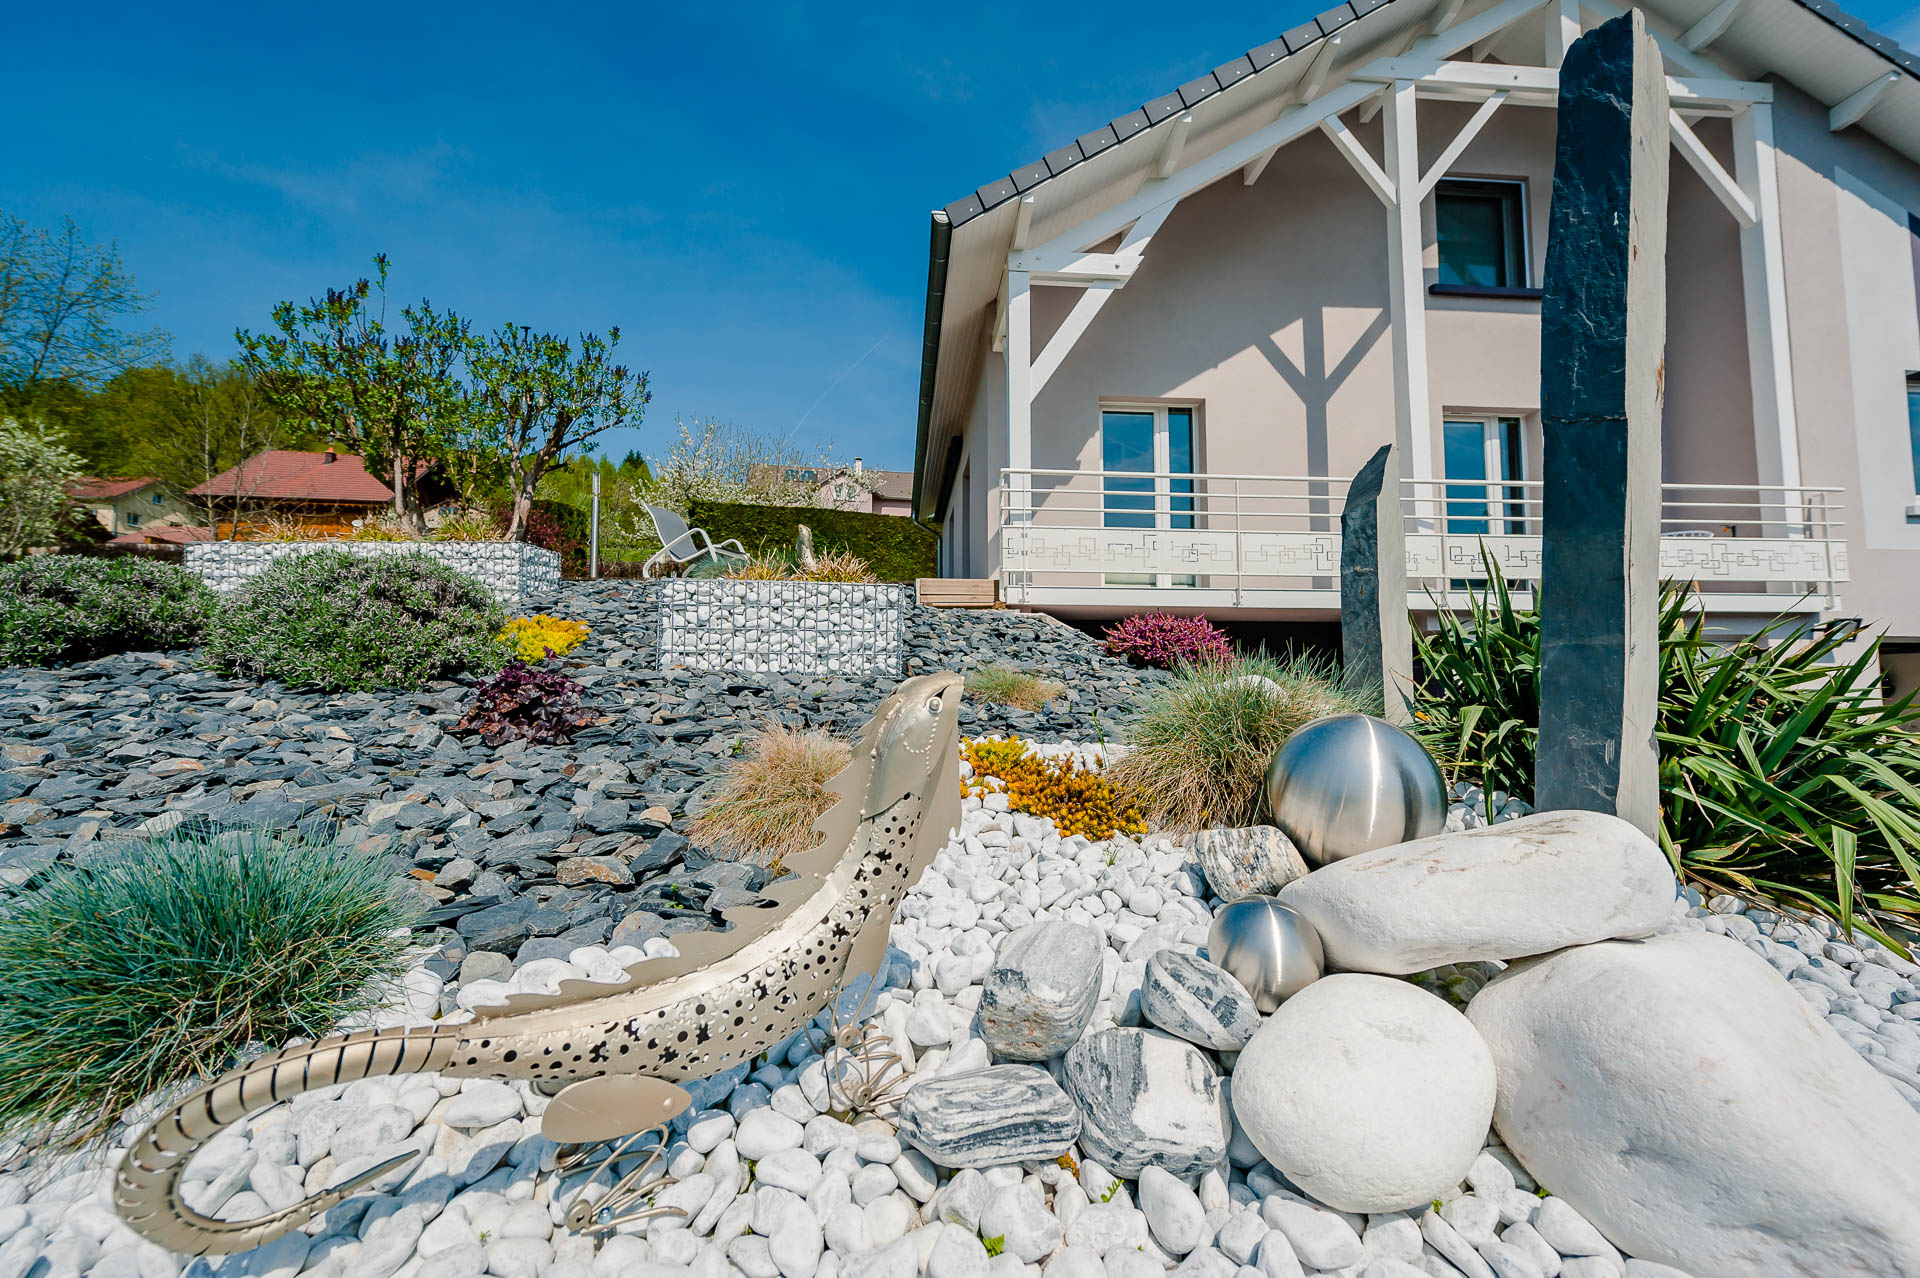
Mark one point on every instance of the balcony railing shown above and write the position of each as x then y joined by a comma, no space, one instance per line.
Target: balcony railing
1274,540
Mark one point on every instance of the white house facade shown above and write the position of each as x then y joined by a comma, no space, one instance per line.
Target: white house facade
1154,357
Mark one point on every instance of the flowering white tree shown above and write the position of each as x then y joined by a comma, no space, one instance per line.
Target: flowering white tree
716,461
35,468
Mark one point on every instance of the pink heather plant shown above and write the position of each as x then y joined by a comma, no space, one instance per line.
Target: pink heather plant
1164,640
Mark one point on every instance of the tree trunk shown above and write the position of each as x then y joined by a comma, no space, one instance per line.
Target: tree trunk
522,506
399,489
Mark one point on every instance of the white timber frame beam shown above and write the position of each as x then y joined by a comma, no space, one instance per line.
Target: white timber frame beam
1854,107
1308,88
1023,223
1406,287
1088,304
1461,140
1170,149
1712,27
1540,86
1444,15
1237,155
1015,504
1718,180
1316,74
1563,28
1349,146
1776,430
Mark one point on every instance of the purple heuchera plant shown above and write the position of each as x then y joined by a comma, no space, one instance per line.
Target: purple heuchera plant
1164,640
528,703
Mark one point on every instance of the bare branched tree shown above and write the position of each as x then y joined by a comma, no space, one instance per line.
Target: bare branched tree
215,418
62,301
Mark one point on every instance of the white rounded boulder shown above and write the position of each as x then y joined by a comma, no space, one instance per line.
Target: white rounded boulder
1371,1094
1504,891
1681,1097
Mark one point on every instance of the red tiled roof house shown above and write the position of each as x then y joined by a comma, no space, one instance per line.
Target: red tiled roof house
325,490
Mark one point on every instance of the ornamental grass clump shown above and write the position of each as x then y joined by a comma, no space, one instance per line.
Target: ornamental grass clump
1001,685
770,794
1200,744
1164,640
337,621
1784,776
540,636
70,608
1078,799
833,566
467,525
151,964
526,703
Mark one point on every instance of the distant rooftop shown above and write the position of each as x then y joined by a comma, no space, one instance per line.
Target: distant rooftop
283,474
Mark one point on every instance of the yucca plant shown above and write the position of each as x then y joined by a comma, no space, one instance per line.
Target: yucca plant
1783,774
154,963
1476,704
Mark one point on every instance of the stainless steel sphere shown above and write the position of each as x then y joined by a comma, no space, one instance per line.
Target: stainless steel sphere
1266,947
1350,783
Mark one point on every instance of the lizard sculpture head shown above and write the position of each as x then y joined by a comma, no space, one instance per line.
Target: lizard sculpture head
911,738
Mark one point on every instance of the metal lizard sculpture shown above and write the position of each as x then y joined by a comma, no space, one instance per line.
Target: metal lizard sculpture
613,1055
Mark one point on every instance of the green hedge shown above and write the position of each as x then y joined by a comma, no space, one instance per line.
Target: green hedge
896,548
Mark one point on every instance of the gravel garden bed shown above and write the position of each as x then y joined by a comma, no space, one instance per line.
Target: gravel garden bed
776,1186
1087,1097
527,851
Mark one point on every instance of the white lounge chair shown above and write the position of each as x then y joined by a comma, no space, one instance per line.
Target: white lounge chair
681,547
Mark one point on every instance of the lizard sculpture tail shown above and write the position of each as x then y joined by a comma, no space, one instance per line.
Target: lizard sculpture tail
147,1185
612,1055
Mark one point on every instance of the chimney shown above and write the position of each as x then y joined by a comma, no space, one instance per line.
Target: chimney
856,465
329,457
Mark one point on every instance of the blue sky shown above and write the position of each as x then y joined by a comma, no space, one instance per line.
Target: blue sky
743,189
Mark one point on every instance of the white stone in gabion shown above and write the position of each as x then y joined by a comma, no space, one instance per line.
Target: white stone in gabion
780,627
514,572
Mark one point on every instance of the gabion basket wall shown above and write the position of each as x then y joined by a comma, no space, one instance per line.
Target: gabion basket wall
513,571
781,627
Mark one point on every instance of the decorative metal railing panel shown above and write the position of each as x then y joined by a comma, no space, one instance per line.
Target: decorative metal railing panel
1083,530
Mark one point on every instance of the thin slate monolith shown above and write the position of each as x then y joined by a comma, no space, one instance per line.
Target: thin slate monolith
1376,639
1602,357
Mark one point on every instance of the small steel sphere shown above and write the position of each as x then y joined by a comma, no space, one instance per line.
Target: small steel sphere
1266,947
1350,783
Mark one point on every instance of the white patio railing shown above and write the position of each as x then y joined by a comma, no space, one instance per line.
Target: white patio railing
1274,540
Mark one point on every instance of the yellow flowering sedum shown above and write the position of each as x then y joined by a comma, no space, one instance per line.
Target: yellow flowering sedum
531,637
1077,799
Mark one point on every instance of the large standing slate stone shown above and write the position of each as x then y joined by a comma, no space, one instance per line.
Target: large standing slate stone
1147,1100
989,1118
1376,638
1602,346
1041,990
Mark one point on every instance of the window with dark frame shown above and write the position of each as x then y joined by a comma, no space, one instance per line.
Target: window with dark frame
1480,225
